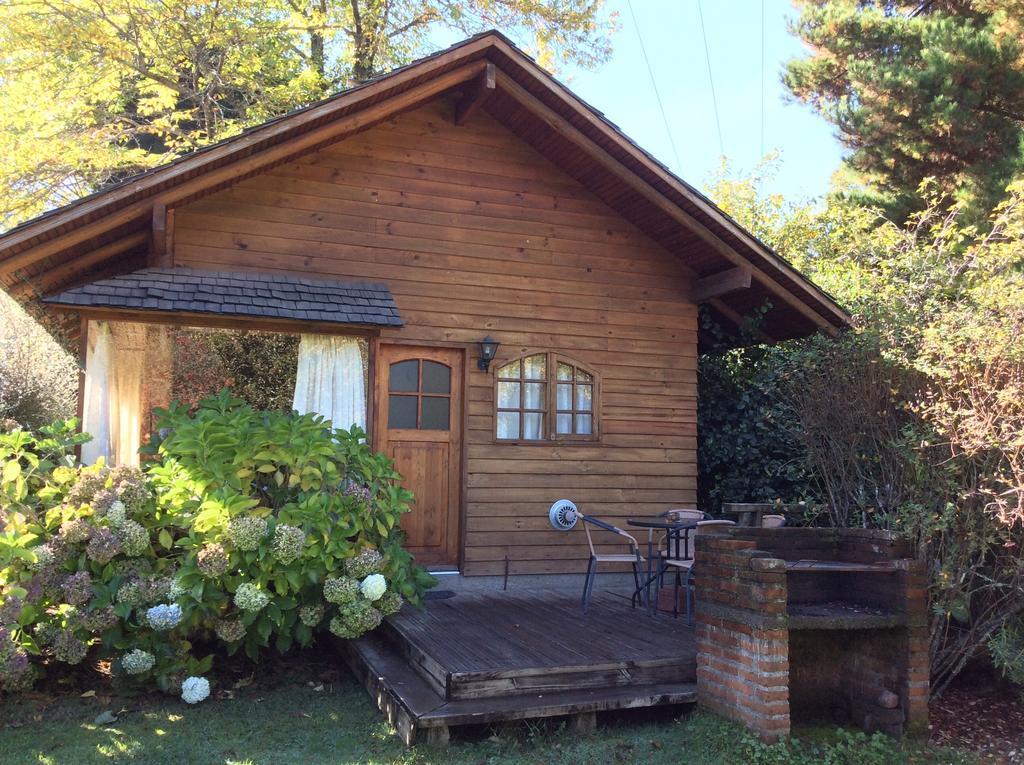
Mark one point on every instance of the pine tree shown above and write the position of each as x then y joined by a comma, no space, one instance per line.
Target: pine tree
931,89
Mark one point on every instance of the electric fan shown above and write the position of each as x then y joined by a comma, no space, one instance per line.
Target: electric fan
563,515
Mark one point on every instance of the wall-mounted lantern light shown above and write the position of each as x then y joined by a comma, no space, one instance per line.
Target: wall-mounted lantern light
488,348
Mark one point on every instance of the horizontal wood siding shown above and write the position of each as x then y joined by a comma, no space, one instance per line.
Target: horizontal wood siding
475,233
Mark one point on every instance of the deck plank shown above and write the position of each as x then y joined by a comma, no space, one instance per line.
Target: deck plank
502,656
479,645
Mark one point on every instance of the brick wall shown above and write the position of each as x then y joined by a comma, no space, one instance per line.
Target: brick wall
742,640
759,664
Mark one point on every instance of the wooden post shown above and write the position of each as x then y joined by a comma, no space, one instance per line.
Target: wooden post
83,354
436,736
583,724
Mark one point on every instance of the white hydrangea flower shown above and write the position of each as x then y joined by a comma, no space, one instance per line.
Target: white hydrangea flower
138,661
176,590
247,531
117,513
195,689
249,597
44,556
373,587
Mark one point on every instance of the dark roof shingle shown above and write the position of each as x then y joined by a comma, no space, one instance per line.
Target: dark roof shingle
239,294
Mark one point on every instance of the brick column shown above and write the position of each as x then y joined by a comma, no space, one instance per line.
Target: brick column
742,638
916,684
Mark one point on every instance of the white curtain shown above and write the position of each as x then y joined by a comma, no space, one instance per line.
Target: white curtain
330,380
112,410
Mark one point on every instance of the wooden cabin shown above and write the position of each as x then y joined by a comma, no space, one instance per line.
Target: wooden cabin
467,196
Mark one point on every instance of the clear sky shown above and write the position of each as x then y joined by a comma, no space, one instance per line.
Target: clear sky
621,88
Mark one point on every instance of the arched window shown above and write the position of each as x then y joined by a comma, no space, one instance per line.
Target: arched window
545,397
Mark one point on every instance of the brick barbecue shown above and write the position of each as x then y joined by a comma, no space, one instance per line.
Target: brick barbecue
793,624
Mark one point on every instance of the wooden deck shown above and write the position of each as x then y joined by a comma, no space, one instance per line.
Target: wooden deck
484,658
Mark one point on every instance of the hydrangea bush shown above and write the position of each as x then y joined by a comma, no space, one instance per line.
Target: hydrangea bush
245,530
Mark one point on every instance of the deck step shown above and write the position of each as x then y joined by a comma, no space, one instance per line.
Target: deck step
534,680
493,646
526,707
527,680
411,704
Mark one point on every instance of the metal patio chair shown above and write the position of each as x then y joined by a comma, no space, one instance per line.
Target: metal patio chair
633,556
684,566
690,514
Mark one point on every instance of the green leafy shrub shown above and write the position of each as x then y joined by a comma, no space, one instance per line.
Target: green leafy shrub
1007,649
280,503
832,747
38,377
259,367
246,530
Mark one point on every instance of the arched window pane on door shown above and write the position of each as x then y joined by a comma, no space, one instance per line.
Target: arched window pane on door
419,395
405,376
437,378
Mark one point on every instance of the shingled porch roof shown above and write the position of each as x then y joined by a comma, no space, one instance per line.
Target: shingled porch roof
193,291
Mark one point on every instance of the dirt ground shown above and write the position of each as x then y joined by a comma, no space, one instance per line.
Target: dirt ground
982,714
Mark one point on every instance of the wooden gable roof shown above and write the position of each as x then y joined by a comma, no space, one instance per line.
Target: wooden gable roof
117,229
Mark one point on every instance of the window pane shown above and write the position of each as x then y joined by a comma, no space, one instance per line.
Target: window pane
585,397
563,424
508,395
509,370
535,367
565,396
508,424
533,426
582,376
534,398
564,371
435,413
402,412
583,424
437,378
405,376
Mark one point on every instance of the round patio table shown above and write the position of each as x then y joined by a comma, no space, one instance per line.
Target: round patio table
678,533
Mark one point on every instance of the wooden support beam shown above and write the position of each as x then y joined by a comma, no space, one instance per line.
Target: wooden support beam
719,284
169,246
161,249
335,130
482,88
196,319
55,276
737,320
158,237
610,164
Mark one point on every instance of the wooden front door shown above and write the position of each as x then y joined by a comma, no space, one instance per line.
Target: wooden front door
419,425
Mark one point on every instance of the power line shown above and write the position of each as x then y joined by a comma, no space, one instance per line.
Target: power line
654,85
711,79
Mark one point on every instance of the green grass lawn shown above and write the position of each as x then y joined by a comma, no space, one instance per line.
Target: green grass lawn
296,717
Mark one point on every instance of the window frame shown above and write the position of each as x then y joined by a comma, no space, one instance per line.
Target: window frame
550,413
419,394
